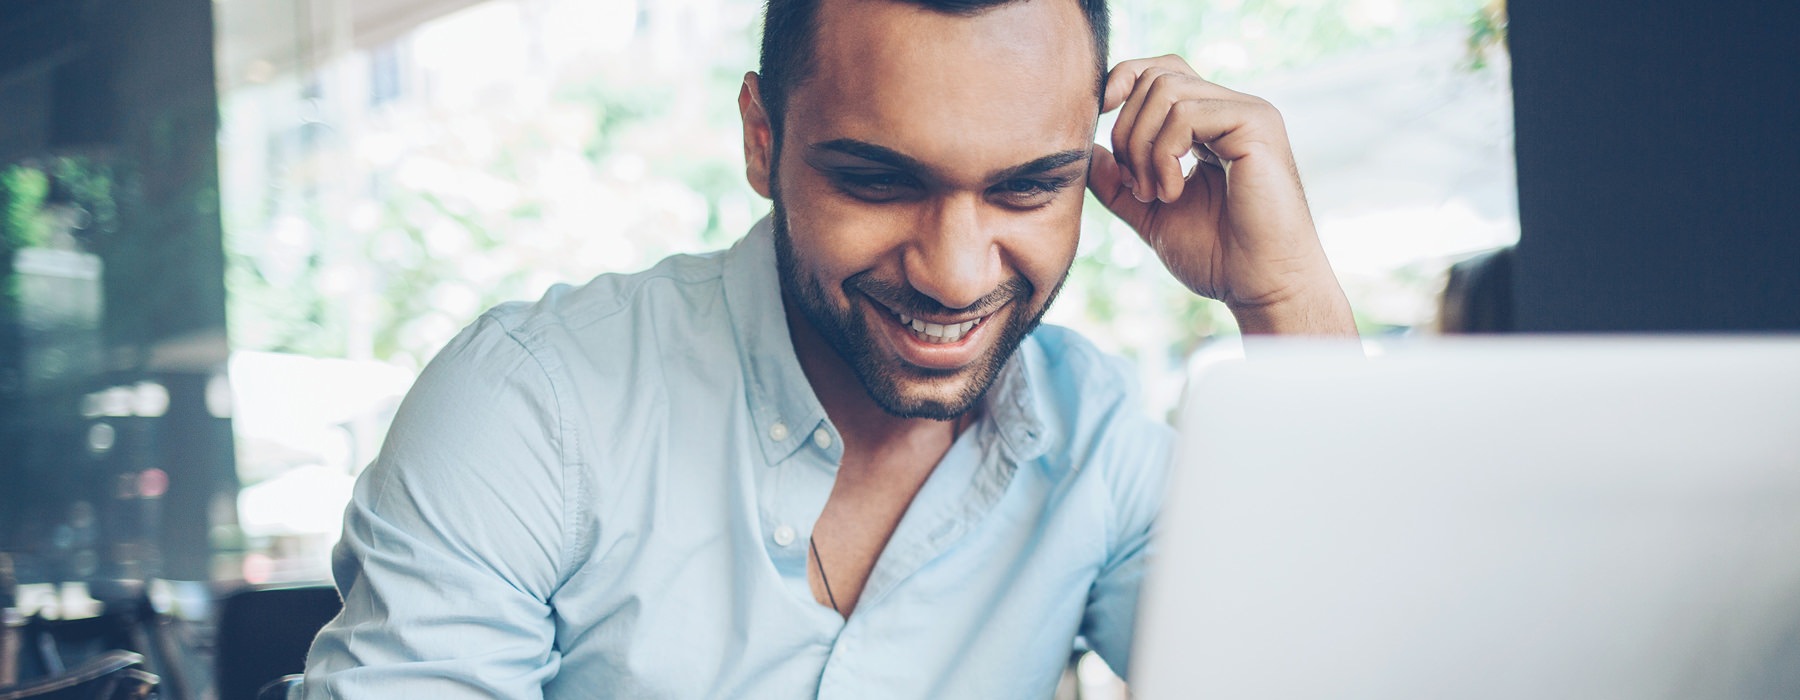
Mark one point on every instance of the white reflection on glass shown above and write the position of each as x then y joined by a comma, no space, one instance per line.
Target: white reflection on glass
100,438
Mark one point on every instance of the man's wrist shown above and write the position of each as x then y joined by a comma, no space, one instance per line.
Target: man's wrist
1322,310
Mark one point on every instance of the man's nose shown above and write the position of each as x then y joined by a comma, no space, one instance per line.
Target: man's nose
953,258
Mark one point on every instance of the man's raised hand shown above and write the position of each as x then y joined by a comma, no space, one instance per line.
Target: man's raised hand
1236,228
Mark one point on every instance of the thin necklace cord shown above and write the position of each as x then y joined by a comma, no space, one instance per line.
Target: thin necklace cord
814,545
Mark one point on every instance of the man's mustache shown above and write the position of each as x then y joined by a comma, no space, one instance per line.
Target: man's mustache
902,298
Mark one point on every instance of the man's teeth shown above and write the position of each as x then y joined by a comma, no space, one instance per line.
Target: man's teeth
937,332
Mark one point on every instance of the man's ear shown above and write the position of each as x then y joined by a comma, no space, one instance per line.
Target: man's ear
759,137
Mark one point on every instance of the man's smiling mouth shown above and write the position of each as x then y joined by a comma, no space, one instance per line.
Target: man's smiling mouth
939,333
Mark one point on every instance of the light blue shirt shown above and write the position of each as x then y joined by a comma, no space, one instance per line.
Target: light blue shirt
608,494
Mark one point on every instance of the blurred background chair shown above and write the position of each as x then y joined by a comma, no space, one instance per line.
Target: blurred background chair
1478,295
59,652
264,633
113,675
279,688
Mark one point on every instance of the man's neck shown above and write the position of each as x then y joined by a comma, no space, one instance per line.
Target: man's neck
866,429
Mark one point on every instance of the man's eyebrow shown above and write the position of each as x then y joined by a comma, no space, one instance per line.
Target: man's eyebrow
900,161
870,152
1044,164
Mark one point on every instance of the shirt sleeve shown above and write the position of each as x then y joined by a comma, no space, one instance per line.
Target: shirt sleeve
1140,460
455,536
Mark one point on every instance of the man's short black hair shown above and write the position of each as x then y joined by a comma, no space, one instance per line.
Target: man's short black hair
789,26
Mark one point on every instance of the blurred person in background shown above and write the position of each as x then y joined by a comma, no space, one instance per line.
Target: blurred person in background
841,458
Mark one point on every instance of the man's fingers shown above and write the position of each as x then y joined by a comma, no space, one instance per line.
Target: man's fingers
1164,109
1126,87
1174,142
1118,86
1138,119
1106,180
1229,127
1166,89
1122,77
1219,130
1128,114
1170,181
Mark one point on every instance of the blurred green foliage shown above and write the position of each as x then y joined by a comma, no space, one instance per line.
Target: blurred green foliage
1278,35
22,192
83,185
1487,33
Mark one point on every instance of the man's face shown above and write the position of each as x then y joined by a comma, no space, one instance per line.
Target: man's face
928,189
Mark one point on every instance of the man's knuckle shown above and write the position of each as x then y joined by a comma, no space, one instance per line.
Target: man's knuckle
1145,138
1164,82
1275,119
1171,150
1143,156
1171,89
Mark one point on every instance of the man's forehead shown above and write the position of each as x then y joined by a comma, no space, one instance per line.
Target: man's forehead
1006,83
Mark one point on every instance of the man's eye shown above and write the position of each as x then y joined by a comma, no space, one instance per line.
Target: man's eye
1027,192
875,187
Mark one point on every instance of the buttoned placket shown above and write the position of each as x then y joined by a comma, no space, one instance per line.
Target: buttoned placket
802,451
792,495
963,489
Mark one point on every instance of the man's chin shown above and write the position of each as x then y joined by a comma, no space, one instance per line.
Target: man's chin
931,409
933,394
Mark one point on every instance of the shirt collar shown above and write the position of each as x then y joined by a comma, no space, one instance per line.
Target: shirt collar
782,402
1016,409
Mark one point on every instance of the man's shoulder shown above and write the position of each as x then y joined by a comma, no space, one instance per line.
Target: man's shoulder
1070,367
585,341
1090,394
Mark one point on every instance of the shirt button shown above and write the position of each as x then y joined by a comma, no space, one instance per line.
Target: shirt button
784,535
822,438
778,431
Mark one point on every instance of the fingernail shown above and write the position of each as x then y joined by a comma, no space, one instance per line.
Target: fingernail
1139,197
1130,183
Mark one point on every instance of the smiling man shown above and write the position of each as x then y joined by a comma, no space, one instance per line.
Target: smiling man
840,459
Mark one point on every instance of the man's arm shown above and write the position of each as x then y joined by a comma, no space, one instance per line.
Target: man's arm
1237,228
1134,454
454,540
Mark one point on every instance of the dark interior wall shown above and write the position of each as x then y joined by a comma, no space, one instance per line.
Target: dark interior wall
127,85
36,39
26,124
1659,165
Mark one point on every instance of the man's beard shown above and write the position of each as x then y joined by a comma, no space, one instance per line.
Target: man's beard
850,336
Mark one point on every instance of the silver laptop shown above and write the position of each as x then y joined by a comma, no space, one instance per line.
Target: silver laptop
1569,518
